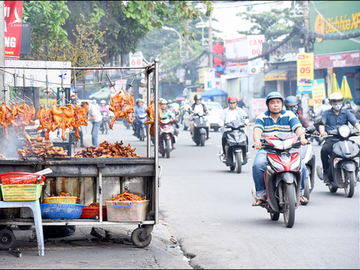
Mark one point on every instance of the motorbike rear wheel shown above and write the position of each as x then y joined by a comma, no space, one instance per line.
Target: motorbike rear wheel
142,134
289,198
349,184
167,148
307,184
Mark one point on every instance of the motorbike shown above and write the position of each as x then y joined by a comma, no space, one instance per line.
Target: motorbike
308,156
186,120
140,129
201,128
282,177
236,145
343,162
166,137
104,126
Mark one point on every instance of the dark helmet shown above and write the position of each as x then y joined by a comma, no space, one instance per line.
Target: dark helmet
232,99
273,95
196,97
291,101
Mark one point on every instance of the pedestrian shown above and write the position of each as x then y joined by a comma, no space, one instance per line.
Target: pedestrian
241,104
95,118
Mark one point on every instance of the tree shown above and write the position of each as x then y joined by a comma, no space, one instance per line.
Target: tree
272,24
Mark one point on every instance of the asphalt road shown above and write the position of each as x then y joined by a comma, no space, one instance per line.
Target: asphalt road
207,221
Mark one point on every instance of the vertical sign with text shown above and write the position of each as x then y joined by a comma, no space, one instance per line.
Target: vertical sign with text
305,72
318,92
13,27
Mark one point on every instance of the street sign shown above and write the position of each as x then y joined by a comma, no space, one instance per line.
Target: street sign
136,59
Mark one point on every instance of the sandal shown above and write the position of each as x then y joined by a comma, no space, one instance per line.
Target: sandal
256,203
303,200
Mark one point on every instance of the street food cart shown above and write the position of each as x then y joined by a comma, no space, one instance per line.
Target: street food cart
94,179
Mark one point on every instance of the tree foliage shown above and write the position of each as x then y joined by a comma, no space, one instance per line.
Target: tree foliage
272,24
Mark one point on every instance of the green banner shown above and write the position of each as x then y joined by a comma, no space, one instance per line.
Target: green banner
343,16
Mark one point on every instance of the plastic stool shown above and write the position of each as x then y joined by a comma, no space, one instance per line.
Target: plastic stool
35,207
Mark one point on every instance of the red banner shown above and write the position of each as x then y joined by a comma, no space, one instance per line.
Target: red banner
350,59
13,25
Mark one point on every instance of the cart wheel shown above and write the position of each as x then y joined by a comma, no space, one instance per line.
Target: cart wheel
139,238
24,227
7,239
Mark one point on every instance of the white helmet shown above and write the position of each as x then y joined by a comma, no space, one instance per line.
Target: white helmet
336,97
102,102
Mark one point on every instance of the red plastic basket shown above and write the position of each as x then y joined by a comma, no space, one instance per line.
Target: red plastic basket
93,212
19,178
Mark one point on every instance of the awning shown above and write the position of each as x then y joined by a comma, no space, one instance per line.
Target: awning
279,74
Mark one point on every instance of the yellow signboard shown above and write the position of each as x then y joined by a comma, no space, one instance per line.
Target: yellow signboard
318,93
47,103
305,72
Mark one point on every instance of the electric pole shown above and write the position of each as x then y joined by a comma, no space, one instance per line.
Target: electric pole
210,43
306,25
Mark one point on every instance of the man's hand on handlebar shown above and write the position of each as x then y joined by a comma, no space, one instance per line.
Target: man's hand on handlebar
323,134
257,145
304,141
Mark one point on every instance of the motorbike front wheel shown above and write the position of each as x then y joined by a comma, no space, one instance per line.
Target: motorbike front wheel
167,148
202,139
349,184
238,161
289,199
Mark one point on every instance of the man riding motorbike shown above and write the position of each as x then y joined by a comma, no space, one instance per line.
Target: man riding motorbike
233,112
166,113
274,120
197,107
332,119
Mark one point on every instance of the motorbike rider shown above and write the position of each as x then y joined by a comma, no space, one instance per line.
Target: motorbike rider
103,107
233,112
273,121
166,113
332,119
197,107
140,109
291,104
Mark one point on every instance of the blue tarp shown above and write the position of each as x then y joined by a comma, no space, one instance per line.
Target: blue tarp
214,93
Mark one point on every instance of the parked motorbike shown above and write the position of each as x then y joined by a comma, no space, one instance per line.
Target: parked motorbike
201,128
308,156
166,137
236,145
343,162
140,128
282,177
104,126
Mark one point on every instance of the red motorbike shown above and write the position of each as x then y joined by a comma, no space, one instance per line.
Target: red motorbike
282,177
166,137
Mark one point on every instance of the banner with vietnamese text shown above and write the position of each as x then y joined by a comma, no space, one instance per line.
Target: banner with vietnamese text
318,92
305,72
13,26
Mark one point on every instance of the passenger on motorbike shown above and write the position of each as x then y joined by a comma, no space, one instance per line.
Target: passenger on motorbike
166,113
140,109
291,104
324,106
273,121
196,108
333,118
233,112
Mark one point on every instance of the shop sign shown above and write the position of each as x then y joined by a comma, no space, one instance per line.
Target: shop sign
342,16
276,77
136,59
337,60
305,72
258,105
318,93
202,75
13,27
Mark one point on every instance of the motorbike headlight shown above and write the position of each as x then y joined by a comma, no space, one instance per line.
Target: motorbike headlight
296,164
276,165
344,131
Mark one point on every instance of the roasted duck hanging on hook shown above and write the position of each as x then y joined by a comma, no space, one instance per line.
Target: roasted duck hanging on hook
79,118
24,116
63,117
151,117
122,105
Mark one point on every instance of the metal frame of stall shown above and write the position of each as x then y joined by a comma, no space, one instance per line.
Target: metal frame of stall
102,167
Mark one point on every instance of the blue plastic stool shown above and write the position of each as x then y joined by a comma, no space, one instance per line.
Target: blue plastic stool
35,207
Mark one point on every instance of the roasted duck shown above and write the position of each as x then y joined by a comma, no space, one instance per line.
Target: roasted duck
46,121
107,150
24,116
151,116
63,117
126,196
122,105
79,118
7,117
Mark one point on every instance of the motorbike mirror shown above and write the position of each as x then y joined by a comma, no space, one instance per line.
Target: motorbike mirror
245,117
310,129
318,120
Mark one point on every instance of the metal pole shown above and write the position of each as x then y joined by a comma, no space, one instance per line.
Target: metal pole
148,137
156,138
2,63
210,43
